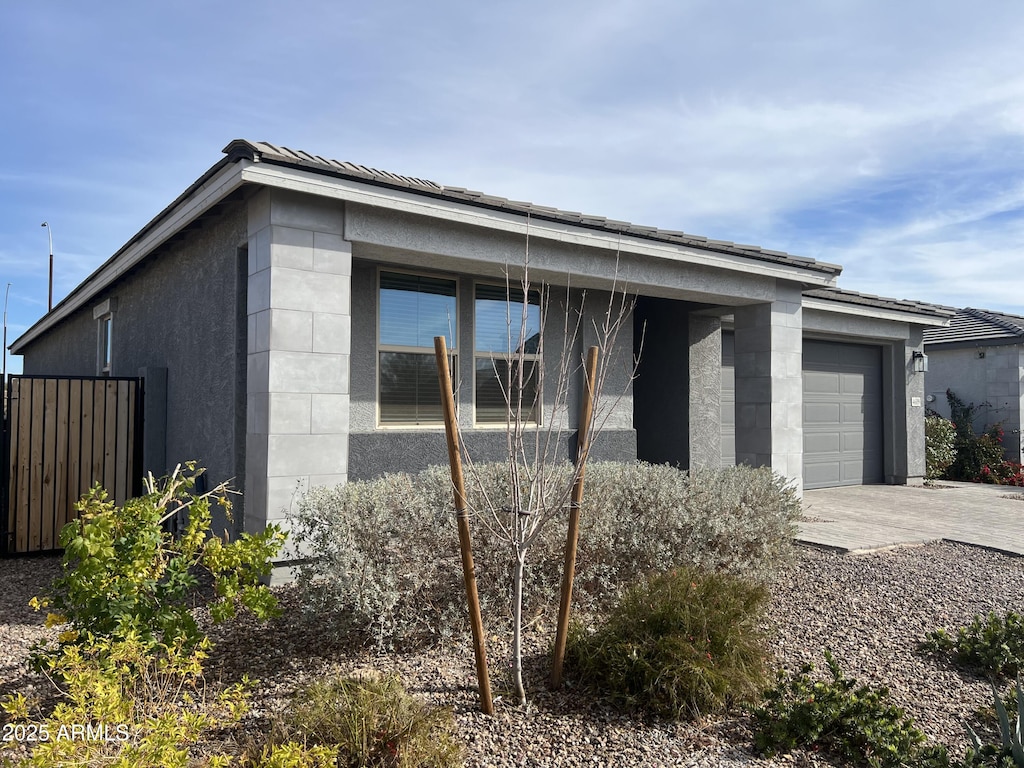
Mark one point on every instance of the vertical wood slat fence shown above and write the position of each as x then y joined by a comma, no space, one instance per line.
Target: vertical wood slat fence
62,435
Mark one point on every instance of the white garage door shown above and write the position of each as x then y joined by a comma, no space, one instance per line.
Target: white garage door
842,414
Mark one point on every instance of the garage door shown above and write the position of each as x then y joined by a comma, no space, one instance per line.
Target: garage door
842,414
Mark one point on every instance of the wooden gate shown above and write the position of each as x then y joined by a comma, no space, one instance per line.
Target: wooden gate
62,435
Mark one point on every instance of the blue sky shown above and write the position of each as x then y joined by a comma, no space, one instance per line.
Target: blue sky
885,136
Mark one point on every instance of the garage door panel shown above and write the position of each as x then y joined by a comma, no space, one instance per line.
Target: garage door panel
818,353
822,413
851,355
853,413
842,414
853,383
822,474
853,442
822,442
821,383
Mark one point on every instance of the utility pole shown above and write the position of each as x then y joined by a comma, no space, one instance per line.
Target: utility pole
3,408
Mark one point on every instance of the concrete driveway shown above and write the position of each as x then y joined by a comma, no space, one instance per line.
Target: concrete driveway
865,517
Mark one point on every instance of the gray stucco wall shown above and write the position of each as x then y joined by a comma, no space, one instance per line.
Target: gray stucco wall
374,451
990,377
179,311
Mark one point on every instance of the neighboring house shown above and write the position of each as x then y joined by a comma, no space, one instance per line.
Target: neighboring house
980,357
282,311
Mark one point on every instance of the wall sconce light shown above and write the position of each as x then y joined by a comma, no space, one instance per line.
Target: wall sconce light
920,361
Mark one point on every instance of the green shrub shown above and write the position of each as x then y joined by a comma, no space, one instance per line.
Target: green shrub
979,458
125,576
142,709
990,645
388,550
680,644
369,722
837,715
129,664
939,446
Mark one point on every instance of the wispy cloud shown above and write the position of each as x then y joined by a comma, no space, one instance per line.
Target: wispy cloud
888,137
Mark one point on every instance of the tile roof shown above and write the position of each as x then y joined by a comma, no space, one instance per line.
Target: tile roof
880,302
978,325
261,151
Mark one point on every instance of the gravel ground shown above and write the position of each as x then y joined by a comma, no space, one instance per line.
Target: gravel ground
870,610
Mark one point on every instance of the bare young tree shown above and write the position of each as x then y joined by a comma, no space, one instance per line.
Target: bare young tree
535,398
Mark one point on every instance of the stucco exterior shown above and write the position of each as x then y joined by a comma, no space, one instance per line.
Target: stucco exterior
175,321
989,376
252,301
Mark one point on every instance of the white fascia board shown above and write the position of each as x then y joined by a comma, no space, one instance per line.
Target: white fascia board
218,187
312,183
824,305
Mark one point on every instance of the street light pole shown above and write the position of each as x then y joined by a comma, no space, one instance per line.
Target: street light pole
6,295
49,234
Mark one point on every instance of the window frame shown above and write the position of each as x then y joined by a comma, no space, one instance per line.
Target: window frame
379,347
509,357
103,314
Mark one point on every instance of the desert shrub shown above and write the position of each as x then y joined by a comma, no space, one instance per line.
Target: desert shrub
679,644
853,722
1009,752
140,709
388,552
939,446
124,576
368,722
1007,713
129,661
990,645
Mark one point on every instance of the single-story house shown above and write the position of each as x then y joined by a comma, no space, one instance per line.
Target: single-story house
282,311
980,357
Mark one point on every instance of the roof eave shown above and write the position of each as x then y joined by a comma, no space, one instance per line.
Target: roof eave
939,318
223,178
282,157
416,202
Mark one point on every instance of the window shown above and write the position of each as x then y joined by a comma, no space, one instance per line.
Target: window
106,337
506,354
412,310
103,314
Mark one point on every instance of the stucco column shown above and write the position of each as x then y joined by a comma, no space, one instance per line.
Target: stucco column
705,364
299,315
769,385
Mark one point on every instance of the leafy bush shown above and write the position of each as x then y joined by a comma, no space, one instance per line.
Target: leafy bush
939,445
368,722
837,715
991,645
129,665
1009,753
1013,474
389,554
141,709
680,644
126,577
979,458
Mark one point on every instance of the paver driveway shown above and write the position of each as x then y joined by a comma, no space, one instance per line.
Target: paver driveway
865,517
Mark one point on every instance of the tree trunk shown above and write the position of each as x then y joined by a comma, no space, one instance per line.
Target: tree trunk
517,628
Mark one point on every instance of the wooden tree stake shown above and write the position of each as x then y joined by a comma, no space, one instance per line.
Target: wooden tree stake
569,567
462,516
